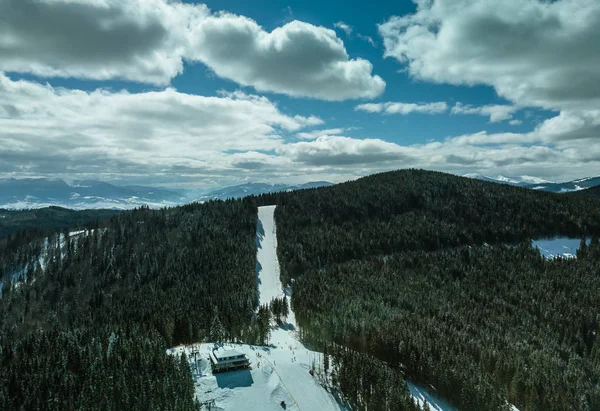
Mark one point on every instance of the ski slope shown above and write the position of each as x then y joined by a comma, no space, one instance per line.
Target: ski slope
280,371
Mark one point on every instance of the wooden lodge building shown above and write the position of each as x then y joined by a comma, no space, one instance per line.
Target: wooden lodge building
227,360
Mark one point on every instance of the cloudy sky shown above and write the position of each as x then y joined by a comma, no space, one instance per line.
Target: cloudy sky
178,93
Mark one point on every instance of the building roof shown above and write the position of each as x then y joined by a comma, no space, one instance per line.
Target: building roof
228,353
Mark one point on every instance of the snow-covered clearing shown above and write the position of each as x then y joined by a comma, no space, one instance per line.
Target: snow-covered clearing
558,247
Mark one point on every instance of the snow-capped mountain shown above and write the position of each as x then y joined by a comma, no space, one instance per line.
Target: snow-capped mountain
249,189
541,184
43,192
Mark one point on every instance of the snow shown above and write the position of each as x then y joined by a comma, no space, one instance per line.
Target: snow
269,283
280,371
423,395
534,180
558,247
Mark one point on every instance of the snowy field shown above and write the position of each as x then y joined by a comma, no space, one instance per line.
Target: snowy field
558,247
279,372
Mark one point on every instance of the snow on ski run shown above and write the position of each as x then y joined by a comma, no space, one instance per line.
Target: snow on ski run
278,372
269,283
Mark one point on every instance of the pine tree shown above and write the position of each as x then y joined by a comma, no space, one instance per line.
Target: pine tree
264,324
217,331
285,309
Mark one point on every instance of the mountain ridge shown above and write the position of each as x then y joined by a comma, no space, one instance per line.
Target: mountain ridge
536,183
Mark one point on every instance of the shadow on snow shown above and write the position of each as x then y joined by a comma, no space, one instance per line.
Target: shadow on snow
234,379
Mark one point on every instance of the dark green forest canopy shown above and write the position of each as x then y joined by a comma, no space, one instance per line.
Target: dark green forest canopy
393,278
46,220
417,210
109,303
481,324
593,192
424,271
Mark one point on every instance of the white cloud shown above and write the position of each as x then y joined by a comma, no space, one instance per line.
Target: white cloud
311,135
339,155
496,112
403,108
368,39
342,151
167,136
535,53
297,59
79,38
344,27
59,131
140,40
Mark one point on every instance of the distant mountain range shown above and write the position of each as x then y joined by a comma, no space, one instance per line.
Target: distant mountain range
244,190
43,192
79,195
540,184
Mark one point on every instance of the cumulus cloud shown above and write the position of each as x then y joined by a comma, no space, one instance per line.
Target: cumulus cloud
80,38
298,59
340,155
403,108
343,151
133,39
535,53
54,130
496,112
173,136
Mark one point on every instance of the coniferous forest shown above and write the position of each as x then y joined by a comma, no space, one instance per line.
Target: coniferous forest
435,275
405,275
93,314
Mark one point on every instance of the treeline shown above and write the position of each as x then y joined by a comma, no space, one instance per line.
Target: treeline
154,279
43,221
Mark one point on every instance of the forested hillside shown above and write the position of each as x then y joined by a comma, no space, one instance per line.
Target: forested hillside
88,326
46,220
417,210
424,271
410,274
593,192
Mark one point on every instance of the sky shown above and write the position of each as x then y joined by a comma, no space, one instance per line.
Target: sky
205,94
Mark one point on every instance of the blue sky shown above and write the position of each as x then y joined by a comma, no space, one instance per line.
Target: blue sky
217,92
